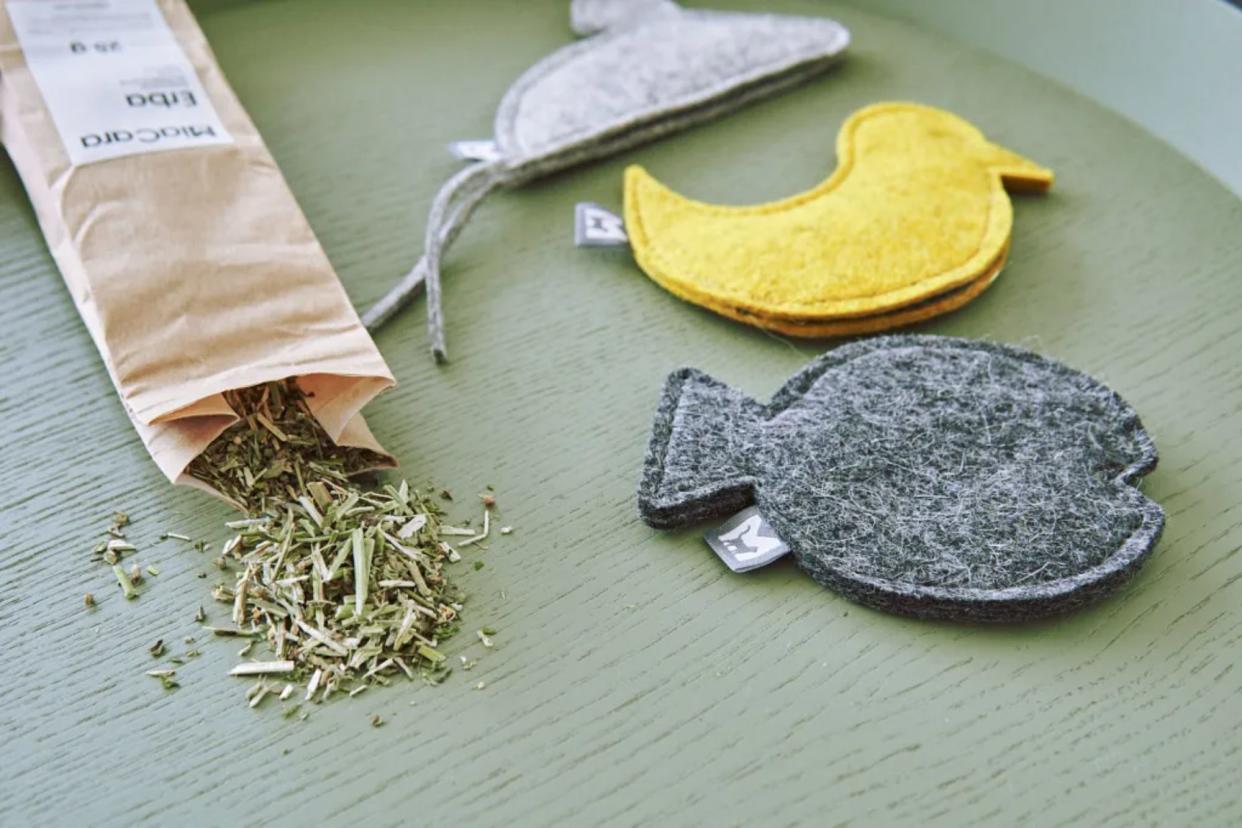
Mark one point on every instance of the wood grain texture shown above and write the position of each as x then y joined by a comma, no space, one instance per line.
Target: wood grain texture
634,681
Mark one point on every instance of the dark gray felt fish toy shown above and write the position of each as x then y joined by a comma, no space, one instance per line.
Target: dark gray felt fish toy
928,476
646,69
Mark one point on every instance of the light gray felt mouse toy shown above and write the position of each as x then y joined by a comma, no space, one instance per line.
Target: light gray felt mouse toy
645,68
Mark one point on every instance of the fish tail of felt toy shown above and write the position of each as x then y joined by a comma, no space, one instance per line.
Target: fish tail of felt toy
586,17
451,207
703,442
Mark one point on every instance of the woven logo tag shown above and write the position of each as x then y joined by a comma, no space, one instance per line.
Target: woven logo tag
595,226
746,541
475,150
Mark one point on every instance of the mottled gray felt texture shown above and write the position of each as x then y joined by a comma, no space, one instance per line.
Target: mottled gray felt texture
651,68
928,476
647,68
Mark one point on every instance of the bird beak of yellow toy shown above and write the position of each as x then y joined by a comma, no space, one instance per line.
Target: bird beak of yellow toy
1019,174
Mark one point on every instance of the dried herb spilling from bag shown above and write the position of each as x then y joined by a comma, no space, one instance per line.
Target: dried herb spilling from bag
347,586
191,264
197,274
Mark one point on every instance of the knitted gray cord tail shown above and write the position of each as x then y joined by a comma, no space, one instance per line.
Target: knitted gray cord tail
452,206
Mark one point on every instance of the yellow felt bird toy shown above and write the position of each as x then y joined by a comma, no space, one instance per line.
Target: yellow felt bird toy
915,221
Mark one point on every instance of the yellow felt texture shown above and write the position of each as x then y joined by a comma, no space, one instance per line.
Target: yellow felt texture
877,322
916,208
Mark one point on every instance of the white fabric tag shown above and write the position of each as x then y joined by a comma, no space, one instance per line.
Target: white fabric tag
746,541
114,78
595,226
475,150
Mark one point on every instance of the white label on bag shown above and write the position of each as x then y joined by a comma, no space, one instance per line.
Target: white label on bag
114,78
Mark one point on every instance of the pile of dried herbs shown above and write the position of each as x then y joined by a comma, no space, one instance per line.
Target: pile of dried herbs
347,586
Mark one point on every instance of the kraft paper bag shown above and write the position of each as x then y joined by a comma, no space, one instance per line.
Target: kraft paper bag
185,252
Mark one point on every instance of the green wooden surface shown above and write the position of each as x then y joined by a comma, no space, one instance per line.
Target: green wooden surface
634,680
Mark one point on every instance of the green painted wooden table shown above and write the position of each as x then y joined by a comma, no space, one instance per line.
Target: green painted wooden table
634,680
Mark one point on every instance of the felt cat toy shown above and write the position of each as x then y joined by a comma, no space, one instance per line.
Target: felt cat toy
928,476
915,221
647,68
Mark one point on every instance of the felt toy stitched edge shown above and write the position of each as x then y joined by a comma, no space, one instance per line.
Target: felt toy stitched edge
929,307
511,104
936,305
1132,550
644,248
